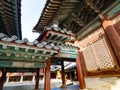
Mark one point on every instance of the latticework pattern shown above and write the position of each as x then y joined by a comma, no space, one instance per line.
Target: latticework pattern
90,59
97,56
103,54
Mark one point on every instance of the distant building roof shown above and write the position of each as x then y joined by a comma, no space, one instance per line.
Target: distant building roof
10,17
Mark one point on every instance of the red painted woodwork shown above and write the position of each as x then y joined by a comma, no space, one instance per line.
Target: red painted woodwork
71,76
80,73
113,37
47,75
2,79
63,74
117,27
37,79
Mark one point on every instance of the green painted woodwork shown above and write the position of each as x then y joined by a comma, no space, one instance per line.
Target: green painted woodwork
4,63
114,11
17,64
73,56
16,48
69,51
67,55
20,69
22,56
54,41
69,20
57,37
8,54
88,30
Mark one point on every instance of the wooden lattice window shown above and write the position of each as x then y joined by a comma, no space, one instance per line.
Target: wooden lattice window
91,65
104,58
97,56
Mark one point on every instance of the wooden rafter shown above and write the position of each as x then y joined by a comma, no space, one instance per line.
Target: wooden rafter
92,6
55,2
51,5
51,8
50,11
77,20
10,14
46,13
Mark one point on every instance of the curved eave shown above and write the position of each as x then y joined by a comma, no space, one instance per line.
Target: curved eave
19,18
74,15
55,10
10,14
48,13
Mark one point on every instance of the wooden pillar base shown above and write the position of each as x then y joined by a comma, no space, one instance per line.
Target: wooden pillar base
63,86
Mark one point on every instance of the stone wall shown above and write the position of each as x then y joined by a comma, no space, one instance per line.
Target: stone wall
108,83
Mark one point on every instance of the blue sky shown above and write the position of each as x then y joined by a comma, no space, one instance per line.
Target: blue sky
31,11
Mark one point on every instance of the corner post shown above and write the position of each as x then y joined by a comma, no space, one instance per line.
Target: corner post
3,78
47,75
37,79
112,35
80,72
63,74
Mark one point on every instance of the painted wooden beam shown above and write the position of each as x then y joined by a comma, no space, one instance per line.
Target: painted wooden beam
19,64
92,6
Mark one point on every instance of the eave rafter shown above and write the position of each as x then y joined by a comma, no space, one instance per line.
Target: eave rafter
92,6
10,14
73,14
77,20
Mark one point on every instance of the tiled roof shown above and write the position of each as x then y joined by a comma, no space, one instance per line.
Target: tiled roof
74,15
10,17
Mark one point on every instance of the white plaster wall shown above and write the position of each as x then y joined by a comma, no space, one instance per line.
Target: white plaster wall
108,83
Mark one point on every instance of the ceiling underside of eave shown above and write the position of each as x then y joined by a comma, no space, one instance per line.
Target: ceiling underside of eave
10,17
73,15
57,61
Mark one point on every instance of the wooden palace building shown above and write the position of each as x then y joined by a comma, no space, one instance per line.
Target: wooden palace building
86,32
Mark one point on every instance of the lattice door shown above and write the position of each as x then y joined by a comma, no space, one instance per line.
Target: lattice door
97,56
103,54
90,61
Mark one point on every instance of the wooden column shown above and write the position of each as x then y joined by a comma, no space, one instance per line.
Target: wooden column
37,79
80,73
7,80
71,76
47,75
3,78
21,78
112,35
63,74
33,78
117,27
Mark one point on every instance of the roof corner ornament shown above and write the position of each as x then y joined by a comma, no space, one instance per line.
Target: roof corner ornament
55,23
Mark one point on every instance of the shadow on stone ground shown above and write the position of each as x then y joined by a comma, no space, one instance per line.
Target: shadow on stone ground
31,87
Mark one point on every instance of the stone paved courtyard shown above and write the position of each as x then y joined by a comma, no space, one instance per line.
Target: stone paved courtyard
55,85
